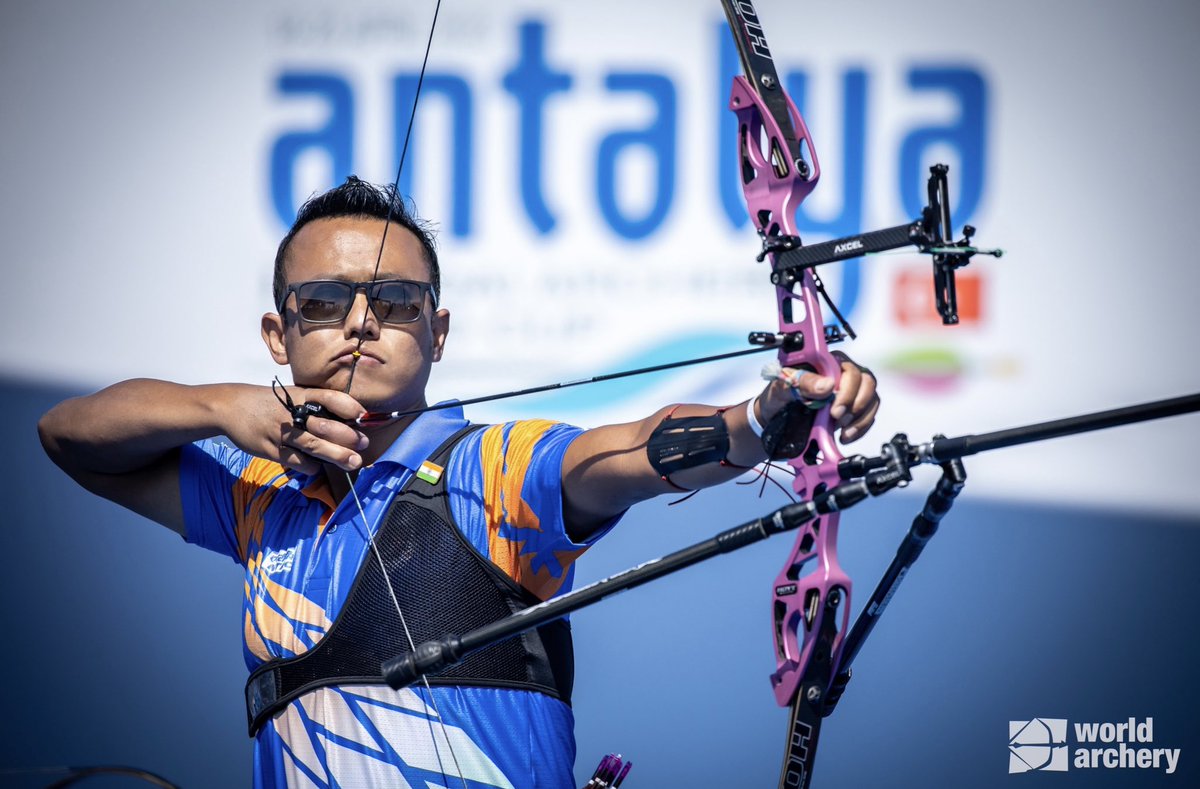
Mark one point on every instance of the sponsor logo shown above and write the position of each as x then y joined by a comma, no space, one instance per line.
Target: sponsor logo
796,765
1040,744
849,246
874,609
279,561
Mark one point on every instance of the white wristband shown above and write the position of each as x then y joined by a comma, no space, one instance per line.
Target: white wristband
751,419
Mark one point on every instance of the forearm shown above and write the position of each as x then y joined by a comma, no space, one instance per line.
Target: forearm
609,469
130,425
745,449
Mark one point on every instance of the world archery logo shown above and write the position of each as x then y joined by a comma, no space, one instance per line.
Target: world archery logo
1041,744
1038,744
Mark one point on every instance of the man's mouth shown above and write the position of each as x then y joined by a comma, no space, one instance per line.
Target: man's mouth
361,357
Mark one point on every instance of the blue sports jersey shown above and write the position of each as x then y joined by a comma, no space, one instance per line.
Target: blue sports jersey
301,555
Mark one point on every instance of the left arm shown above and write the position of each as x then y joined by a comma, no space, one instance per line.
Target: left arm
606,470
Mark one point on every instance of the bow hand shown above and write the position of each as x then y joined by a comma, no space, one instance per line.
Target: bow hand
852,401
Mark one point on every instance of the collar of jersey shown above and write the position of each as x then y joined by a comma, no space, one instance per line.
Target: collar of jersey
421,439
410,449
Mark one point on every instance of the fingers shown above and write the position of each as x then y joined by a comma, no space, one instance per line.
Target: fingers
843,401
338,404
854,403
810,385
321,441
290,457
324,440
855,430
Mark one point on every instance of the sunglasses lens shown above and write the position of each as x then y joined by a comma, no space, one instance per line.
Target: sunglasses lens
391,301
324,302
397,302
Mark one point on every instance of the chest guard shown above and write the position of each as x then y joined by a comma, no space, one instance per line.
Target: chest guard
444,586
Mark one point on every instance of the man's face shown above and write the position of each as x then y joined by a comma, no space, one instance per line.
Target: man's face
394,367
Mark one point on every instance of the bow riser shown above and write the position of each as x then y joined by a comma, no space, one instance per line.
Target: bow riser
812,587
774,186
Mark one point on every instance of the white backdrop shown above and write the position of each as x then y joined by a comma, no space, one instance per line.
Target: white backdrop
139,226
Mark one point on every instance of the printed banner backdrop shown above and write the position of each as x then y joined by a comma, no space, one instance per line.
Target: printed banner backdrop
578,162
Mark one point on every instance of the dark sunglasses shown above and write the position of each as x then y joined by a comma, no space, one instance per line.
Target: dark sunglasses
329,300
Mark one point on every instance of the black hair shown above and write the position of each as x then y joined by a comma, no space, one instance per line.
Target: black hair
357,198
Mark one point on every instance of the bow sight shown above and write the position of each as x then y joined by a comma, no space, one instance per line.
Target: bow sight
932,234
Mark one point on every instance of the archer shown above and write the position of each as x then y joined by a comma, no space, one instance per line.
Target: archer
360,537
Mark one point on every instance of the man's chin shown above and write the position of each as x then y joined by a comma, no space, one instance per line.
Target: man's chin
383,397
375,403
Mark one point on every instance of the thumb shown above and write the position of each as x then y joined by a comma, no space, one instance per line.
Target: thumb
807,384
812,386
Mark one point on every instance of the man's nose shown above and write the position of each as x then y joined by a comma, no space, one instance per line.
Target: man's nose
361,318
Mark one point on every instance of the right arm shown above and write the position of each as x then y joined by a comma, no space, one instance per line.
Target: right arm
123,442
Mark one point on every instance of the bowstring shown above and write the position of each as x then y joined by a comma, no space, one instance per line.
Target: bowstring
395,195
412,116
437,751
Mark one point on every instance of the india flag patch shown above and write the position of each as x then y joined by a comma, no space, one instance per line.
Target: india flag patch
430,472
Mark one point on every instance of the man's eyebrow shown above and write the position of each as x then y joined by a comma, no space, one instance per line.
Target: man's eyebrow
330,276
321,278
382,277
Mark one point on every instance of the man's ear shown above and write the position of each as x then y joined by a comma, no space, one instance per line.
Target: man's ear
273,332
440,325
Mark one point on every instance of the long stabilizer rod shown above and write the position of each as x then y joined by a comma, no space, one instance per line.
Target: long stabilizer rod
942,449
